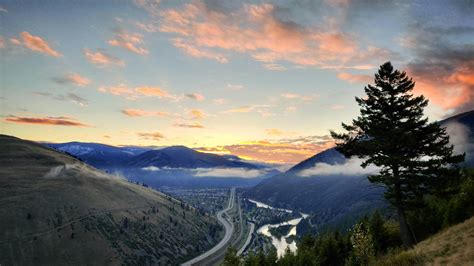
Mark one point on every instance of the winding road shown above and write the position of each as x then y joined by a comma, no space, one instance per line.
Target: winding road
225,219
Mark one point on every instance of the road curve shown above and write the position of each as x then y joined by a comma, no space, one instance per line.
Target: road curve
247,242
229,230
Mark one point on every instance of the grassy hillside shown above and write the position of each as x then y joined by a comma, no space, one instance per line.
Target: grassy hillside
57,210
452,246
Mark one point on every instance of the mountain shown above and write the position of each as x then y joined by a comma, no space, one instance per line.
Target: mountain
175,166
183,157
57,210
98,155
340,193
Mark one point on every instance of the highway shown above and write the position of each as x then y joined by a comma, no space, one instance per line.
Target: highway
225,219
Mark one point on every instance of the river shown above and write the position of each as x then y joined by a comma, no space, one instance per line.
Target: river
280,244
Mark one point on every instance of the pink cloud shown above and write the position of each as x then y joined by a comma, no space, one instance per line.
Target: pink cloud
35,43
353,78
256,30
102,59
73,78
129,41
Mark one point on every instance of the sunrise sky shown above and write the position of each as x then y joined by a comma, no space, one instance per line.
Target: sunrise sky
262,80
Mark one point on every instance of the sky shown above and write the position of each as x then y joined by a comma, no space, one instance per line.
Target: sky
264,80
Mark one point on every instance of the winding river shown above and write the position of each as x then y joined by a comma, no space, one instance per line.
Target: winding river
281,244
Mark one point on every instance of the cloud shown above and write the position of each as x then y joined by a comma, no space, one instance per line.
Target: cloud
196,96
274,132
337,107
459,138
442,61
129,41
266,32
188,125
352,78
35,43
138,113
154,92
73,78
229,172
219,101
68,97
151,135
285,150
247,109
2,9
137,92
119,90
235,87
197,114
51,120
102,58
273,66
221,172
350,168
294,96
149,27
199,52
151,168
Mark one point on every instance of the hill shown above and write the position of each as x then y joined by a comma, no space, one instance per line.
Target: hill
57,210
335,190
452,246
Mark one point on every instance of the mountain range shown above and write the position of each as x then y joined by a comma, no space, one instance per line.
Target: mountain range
335,190
174,166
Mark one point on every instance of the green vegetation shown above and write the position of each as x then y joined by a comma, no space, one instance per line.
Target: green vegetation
414,156
280,231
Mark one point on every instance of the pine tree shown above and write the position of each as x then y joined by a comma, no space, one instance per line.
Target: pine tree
391,132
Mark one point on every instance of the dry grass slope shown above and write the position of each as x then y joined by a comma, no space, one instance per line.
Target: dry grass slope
453,246
56,210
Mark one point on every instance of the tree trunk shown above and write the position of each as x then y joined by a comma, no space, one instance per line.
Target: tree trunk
406,235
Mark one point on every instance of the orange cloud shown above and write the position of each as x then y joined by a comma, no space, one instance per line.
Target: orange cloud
292,150
56,121
274,132
352,78
151,135
73,78
154,92
138,113
129,41
141,91
35,43
197,114
448,87
255,29
102,59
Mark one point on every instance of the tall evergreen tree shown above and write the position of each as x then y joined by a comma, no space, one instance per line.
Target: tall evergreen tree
391,132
